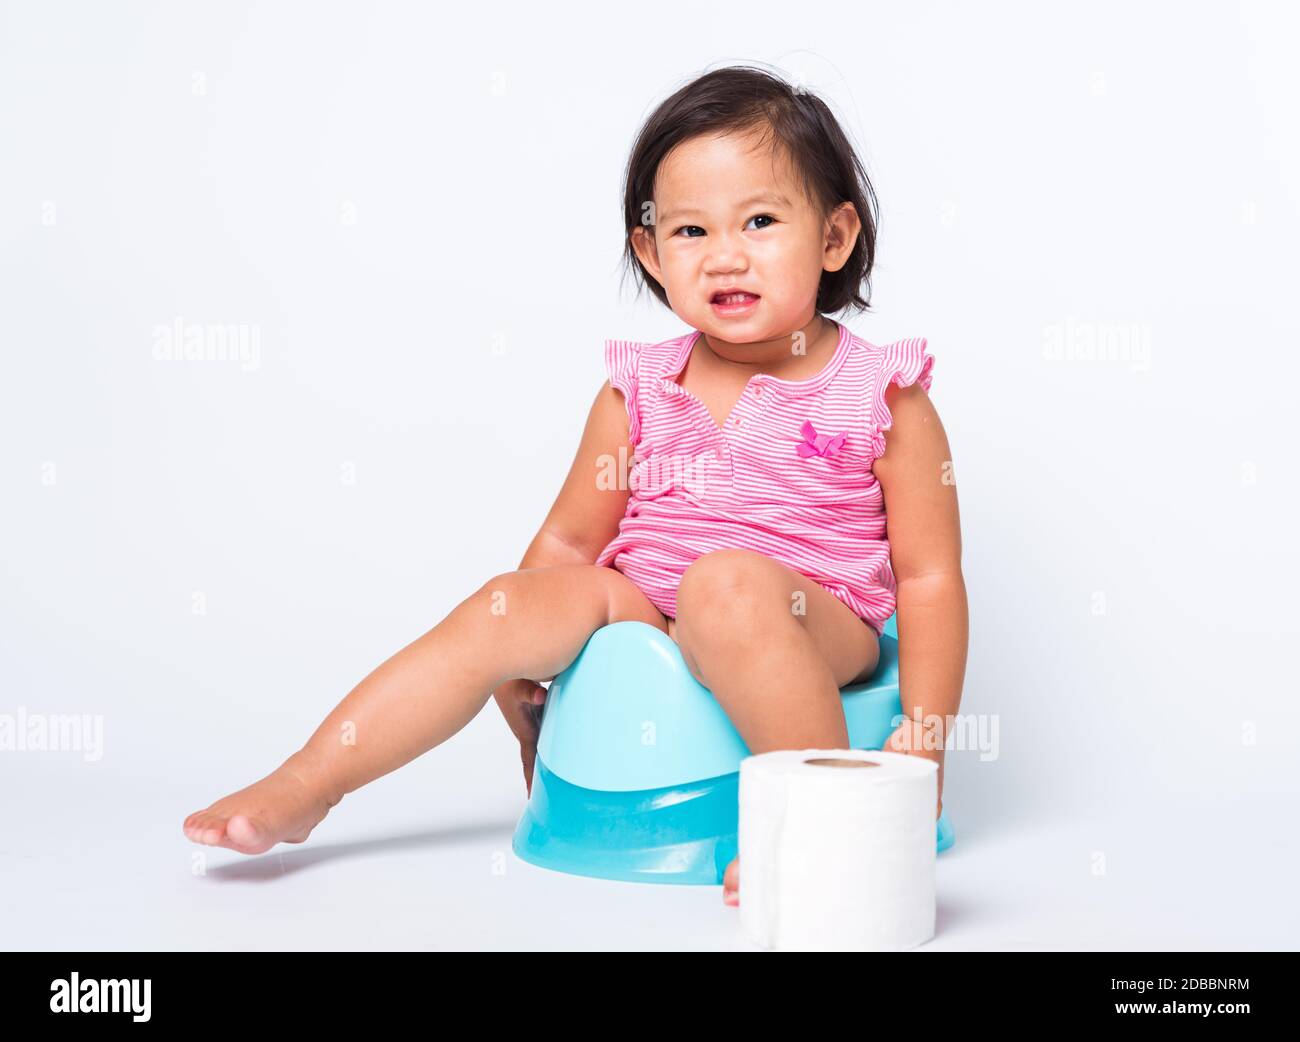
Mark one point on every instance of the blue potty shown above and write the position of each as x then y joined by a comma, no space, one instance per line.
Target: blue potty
637,775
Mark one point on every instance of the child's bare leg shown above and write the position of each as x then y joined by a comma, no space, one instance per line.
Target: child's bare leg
776,670
529,623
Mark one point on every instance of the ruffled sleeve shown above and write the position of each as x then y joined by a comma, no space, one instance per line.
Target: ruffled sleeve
903,362
622,359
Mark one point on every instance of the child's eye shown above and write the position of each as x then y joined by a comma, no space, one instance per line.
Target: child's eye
696,227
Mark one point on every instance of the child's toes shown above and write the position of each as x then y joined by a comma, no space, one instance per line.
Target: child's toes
208,829
731,883
195,824
200,820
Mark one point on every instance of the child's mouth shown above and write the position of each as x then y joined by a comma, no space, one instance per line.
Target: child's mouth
738,302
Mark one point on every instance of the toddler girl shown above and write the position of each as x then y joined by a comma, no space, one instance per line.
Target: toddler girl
765,445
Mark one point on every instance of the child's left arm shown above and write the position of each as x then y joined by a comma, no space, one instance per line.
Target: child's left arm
924,531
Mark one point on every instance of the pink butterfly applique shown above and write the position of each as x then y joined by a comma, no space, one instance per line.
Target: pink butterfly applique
815,444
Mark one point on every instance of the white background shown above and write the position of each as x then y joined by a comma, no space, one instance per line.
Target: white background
418,209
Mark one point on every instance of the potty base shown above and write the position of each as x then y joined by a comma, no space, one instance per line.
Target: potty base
682,834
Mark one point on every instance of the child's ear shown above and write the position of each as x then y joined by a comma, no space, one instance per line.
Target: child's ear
647,250
842,229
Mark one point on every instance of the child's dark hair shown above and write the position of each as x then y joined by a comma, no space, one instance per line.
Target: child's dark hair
742,98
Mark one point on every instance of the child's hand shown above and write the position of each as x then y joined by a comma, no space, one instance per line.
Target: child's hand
521,704
914,738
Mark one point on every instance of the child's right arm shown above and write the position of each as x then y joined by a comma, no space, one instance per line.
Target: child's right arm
581,522
584,517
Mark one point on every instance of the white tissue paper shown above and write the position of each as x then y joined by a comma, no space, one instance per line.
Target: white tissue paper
838,855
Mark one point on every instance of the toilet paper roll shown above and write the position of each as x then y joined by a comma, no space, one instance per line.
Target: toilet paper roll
837,849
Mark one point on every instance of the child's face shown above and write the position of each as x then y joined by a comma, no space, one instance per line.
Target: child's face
729,213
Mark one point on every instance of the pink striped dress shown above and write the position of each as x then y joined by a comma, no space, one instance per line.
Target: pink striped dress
788,475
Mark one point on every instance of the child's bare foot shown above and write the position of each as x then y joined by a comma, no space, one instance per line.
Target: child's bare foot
283,807
731,883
